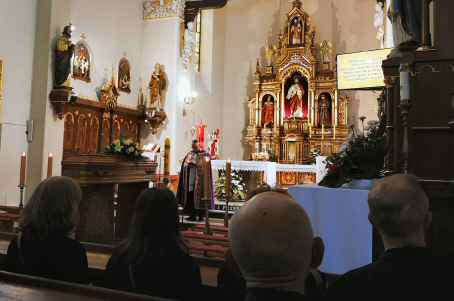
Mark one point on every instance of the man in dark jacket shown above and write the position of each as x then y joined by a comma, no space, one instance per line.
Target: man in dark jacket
399,209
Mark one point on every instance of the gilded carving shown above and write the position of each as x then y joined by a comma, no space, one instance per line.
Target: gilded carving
300,92
158,9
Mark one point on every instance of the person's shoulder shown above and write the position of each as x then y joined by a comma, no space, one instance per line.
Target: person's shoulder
353,278
73,245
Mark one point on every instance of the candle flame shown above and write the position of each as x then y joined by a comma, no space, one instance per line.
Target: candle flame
23,154
50,155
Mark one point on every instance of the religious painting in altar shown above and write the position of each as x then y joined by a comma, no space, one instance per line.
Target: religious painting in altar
296,97
296,109
296,32
124,75
82,61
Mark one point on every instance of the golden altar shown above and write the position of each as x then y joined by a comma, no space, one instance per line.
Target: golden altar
296,110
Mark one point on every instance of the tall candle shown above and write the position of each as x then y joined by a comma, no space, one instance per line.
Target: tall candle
206,178
323,132
228,178
50,161
23,167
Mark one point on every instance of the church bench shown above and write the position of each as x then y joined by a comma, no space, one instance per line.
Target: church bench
208,250
206,238
214,228
25,288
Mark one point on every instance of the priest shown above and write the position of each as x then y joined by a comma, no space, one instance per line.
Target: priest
195,188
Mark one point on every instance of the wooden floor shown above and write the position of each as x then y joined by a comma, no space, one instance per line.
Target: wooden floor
99,261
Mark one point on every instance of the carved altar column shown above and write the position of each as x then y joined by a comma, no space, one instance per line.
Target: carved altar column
52,16
163,23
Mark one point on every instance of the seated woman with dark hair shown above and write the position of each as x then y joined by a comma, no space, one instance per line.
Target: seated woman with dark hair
44,246
153,259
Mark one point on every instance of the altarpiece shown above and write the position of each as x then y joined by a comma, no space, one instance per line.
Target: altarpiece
296,110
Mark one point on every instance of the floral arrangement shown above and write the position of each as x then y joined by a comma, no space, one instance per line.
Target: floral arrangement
127,148
239,187
361,157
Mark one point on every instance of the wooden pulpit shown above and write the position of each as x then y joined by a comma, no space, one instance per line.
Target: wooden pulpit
420,131
110,183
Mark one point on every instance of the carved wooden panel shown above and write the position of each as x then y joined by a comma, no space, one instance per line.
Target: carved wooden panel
81,133
69,136
89,128
106,131
93,136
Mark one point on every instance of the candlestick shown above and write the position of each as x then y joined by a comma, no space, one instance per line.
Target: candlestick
23,167
50,161
228,178
206,179
228,190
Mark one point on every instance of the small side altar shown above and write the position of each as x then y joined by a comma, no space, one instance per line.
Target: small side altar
110,182
297,109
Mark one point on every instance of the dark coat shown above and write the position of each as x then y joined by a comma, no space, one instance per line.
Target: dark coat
176,276
56,258
194,159
401,274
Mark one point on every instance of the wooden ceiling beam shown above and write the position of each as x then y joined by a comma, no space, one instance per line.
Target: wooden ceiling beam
193,7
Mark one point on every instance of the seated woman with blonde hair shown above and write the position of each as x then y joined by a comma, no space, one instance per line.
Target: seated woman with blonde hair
44,246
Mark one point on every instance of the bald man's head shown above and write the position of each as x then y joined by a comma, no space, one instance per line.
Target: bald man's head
271,240
399,207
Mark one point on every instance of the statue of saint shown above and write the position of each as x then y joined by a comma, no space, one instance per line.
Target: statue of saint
64,52
157,85
326,50
268,112
296,32
214,146
189,45
324,115
195,175
124,75
379,19
295,100
406,17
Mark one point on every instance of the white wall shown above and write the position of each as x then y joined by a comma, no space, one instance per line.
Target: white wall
348,24
17,33
112,28
161,45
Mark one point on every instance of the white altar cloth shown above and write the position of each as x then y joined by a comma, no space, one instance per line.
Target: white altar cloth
269,169
339,217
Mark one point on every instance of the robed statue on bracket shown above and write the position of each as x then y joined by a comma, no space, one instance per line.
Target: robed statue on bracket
64,52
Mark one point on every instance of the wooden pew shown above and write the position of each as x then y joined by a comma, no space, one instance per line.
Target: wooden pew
27,288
